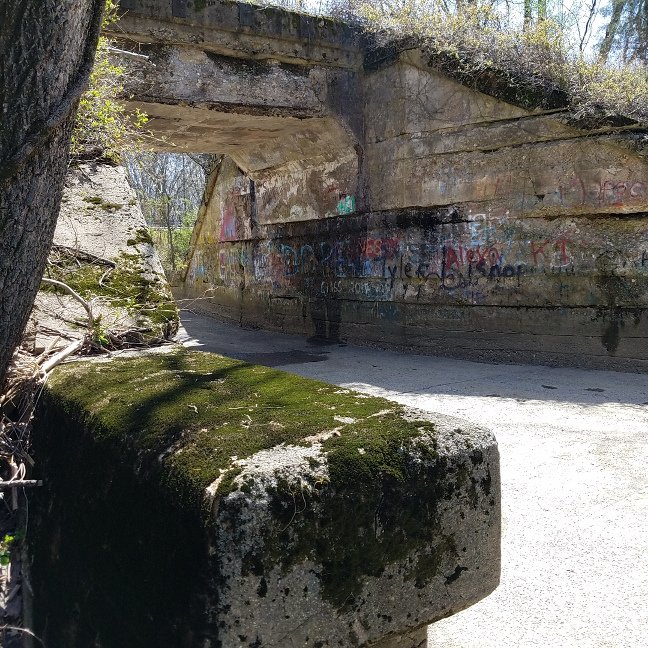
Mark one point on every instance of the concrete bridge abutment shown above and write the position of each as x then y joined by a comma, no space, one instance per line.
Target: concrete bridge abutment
368,196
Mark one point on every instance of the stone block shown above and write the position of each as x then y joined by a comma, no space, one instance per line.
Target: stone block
196,501
304,561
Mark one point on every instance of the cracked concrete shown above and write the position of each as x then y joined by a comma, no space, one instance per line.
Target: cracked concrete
574,483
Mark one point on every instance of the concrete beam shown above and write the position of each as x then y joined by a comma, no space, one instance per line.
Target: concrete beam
263,114
190,76
301,599
241,30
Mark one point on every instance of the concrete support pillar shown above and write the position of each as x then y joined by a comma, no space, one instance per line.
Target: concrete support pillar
413,639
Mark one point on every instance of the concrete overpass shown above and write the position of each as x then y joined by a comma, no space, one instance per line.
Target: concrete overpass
271,89
368,196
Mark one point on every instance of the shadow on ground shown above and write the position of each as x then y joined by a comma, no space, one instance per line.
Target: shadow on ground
410,373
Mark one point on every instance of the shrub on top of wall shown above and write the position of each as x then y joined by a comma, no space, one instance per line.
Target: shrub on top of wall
536,64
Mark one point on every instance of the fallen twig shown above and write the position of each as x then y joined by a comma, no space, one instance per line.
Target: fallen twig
85,256
21,483
73,293
121,52
62,355
24,631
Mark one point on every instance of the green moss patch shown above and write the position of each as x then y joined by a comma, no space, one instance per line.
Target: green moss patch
145,298
141,236
114,562
202,410
98,201
355,532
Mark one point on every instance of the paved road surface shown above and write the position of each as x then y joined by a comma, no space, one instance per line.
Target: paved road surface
574,453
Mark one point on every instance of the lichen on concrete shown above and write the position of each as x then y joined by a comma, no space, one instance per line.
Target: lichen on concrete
307,503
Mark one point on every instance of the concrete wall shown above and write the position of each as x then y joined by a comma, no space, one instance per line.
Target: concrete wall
491,232
431,141
241,29
371,198
159,529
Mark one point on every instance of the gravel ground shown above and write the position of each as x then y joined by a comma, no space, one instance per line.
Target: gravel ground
574,455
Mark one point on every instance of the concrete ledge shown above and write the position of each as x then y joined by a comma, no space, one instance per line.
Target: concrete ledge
193,500
241,29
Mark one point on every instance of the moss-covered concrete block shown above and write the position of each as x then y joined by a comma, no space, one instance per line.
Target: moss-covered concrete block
193,500
103,251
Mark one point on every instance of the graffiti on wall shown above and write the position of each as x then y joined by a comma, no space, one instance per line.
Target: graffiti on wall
480,261
346,205
237,210
574,190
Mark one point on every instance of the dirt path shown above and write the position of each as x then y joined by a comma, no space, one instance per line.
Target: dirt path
574,453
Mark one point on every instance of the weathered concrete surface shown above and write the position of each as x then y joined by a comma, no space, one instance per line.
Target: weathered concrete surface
416,639
450,145
494,233
102,249
288,97
574,481
100,215
192,500
242,30
302,599
384,202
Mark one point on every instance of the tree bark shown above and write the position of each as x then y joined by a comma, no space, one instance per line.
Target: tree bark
613,26
542,10
528,16
46,53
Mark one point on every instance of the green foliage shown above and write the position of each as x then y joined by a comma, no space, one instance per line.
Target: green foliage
173,254
103,126
99,333
170,189
5,549
537,62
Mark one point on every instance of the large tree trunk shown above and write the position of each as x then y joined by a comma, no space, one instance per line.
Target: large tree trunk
46,53
528,15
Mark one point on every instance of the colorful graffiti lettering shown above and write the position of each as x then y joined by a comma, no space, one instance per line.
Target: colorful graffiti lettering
606,192
615,193
346,205
379,248
469,261
545,250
